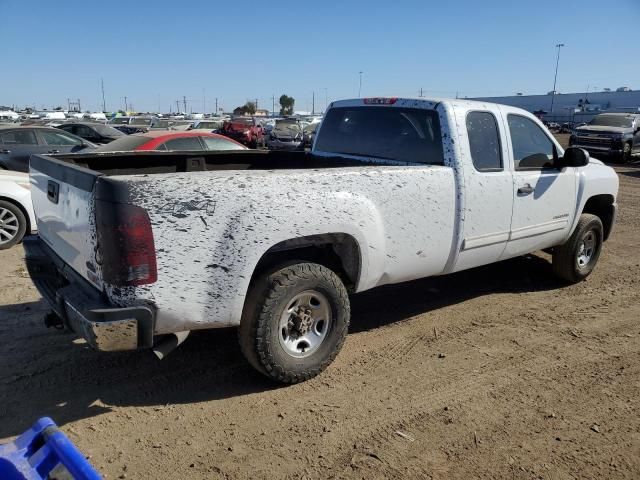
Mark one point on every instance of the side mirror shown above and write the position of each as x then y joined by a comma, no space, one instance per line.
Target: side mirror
574,157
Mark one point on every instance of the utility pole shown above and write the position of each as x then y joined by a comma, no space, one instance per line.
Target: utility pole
421,95
125,104
184,102
178,106
104,104
555,78
256,104
273,105
360,85
216,106
313,103
326,100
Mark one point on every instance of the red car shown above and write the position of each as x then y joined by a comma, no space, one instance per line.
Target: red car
245,130
166,140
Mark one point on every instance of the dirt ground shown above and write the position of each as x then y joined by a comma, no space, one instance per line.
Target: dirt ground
496,372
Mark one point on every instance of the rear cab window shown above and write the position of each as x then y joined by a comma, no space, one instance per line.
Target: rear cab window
484,141
407,135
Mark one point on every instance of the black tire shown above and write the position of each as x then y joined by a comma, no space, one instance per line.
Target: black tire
13,225
568,264
260,329
626,153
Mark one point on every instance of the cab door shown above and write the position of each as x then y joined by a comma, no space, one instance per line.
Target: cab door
488,187
544,198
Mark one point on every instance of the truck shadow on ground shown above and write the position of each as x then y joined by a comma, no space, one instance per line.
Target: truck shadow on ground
50,373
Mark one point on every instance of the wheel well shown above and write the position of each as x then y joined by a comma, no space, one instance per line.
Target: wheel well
338,251
22,209
602,207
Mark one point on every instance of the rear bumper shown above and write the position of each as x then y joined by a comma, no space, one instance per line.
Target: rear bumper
83,308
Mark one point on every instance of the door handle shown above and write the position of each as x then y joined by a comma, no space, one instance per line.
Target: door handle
53,151
525,190
5,151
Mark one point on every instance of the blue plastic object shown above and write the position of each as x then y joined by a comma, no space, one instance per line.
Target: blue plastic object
44,452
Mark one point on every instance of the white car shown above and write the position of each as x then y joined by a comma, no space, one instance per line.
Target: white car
16,210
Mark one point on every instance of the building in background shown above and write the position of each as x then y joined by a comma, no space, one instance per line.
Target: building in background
574,107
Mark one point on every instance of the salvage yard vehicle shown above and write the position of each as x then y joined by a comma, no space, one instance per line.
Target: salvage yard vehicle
97,133
164,140
286,134
18,143
246,130
610,134
16,210
135,250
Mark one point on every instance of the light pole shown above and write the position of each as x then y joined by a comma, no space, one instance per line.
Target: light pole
555,78
360,84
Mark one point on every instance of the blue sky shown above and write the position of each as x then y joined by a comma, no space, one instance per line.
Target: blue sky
154,52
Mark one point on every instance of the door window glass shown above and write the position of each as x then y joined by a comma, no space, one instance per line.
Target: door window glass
532,148
59,138
19,137
484,141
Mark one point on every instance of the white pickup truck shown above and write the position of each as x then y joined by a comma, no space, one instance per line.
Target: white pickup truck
135,250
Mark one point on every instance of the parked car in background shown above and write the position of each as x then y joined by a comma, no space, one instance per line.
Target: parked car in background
246,130
131,125
309,134
207,124
168,140
286,134
18,143
94,132
16,210
610,134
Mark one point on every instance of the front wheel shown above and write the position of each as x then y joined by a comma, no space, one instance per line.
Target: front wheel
577,257
294,322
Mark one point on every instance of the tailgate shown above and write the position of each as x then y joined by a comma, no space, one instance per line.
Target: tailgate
63,202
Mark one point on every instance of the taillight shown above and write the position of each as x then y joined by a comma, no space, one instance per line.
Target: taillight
125,244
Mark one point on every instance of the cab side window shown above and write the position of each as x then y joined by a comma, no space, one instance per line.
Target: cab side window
532,148
19,137
484,141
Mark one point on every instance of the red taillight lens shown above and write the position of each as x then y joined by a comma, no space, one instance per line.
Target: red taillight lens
125,243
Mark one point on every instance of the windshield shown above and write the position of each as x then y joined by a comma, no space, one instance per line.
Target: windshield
119,120
107,131
612,121
244,121
403,134
140,121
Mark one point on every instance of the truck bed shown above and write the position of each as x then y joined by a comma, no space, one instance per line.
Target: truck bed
152,162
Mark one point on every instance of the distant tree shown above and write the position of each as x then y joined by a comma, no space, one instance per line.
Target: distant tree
286,104
248,108
57,109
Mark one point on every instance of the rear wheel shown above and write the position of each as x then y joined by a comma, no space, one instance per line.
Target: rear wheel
294,322
575,260
13,225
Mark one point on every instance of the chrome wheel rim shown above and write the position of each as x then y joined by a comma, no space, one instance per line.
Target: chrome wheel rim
305,323
9,225
586,249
